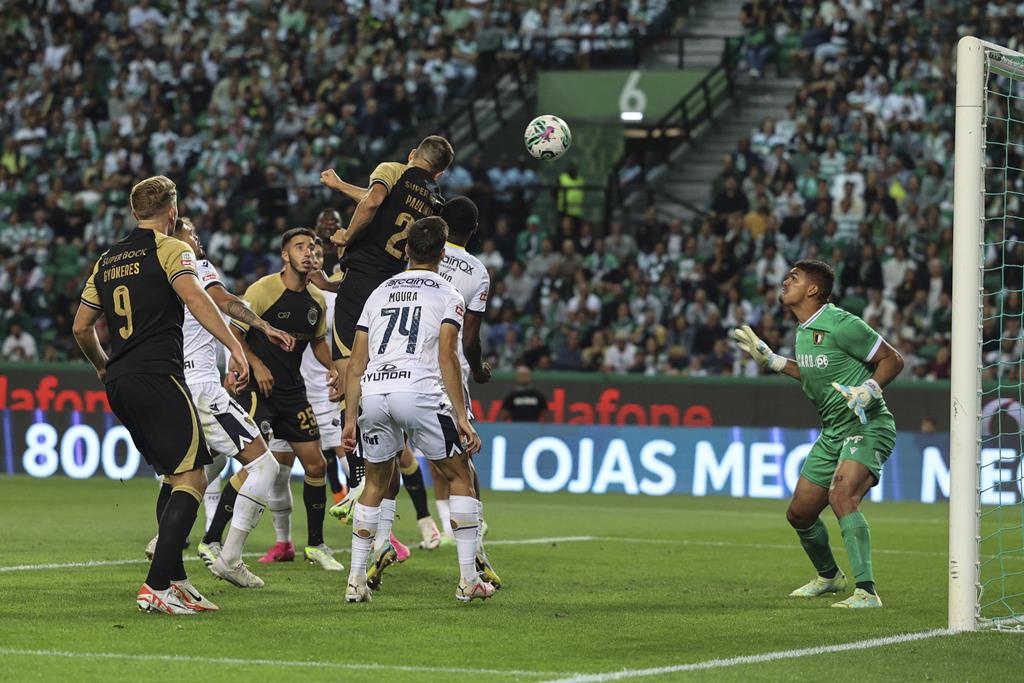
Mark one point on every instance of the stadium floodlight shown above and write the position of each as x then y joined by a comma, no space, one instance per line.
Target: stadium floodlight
986,515
632,116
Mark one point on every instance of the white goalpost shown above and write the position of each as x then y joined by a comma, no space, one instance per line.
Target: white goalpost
986,523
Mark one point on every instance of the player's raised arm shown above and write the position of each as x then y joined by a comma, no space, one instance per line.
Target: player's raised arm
363,216
208,315
762,354
330,179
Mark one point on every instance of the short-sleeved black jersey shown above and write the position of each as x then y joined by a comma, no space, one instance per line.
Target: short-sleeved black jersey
380,247
131,284
301,314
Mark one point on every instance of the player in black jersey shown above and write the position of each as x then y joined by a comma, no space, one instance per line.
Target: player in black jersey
373,249
139,285
276,396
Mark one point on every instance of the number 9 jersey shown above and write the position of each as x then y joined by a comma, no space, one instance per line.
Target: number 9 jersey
403,319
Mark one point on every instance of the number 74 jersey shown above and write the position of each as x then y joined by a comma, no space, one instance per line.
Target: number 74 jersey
402,319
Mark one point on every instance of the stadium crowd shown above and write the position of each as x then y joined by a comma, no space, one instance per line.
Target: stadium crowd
243,106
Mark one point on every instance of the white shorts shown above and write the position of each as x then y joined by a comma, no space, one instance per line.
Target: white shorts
386,420
328,419
227,427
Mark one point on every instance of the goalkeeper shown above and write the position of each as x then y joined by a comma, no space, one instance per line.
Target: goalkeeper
842,365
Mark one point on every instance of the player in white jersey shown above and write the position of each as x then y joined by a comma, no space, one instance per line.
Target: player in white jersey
229,431
405,377
328,417
470,279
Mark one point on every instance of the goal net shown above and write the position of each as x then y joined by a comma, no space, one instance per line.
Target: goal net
986,563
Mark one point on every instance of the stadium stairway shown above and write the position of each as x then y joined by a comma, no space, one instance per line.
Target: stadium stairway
684,184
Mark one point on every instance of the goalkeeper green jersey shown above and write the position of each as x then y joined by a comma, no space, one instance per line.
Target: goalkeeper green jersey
834,345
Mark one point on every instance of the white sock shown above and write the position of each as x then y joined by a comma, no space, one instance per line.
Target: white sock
211,499
249,506
365,527
280,504
465,522
480,529
444,511
387,520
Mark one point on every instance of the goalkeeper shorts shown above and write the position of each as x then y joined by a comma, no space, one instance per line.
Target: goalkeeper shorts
870,445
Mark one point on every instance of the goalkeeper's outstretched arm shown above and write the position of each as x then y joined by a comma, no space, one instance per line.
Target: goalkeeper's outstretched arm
757,349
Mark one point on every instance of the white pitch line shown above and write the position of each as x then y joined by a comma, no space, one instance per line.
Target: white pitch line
753,659
530,541
233,661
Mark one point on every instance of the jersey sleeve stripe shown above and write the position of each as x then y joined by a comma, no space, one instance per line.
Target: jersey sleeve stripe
183,271
871,353
452,321
215,283
240,325
362,328
382,181
90,304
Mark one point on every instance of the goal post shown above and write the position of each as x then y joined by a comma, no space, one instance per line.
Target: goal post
985,220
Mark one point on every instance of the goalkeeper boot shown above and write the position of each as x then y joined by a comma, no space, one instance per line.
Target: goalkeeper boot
477,589
151,547
239,575
382,560
483,565
820,585
860,599
282,551
323,556
208,552
192,597
431,536
358,591
401,550
164,602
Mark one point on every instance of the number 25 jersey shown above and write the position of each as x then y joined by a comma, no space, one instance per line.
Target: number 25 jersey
131,284
403,319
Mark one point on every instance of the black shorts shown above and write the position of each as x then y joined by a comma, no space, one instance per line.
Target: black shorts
158,412
285,414
355,289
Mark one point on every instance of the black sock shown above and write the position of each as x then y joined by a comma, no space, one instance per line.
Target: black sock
417,491
356,469
332,471
830,574
868,586
225,509
161,501
314,496
175,524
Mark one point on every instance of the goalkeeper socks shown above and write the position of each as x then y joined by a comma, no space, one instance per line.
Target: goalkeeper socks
365,521
215,533
387,521
175,524
857,538
444,511
356,469
280,504
815,543
465,522
249,506
314,496
412,477
332,470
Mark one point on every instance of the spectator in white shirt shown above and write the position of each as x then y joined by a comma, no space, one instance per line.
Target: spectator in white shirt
619,357
19,346
879,307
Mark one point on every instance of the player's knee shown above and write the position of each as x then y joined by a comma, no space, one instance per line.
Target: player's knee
317,469
799,517
842,500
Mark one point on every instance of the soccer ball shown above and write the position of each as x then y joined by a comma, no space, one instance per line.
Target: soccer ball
547,137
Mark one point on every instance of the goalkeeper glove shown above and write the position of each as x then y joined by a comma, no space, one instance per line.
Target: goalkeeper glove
758,350
858,398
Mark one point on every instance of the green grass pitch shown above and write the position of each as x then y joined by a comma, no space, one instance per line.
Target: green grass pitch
648,582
